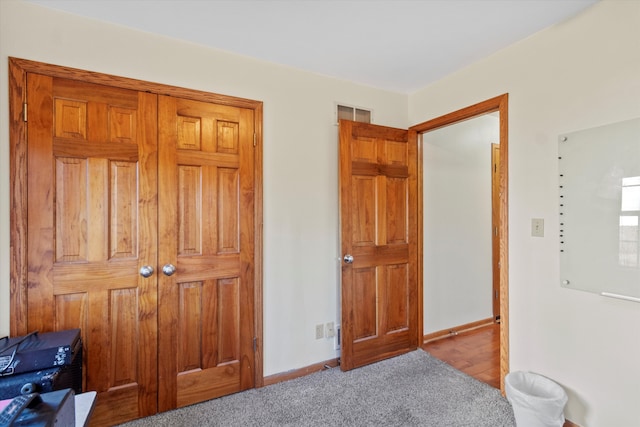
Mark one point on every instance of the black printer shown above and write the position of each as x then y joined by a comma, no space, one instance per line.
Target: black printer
40,362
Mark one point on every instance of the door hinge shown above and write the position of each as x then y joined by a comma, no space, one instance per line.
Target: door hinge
254,139
255,344
24,111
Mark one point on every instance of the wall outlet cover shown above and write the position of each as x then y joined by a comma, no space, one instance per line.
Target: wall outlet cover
319,331
330,330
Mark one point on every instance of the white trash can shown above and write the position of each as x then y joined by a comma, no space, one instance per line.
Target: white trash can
536,400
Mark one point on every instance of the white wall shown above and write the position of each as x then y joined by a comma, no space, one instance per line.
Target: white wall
580,74
458,276
300,155
583,73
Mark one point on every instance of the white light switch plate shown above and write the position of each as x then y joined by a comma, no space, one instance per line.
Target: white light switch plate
537,227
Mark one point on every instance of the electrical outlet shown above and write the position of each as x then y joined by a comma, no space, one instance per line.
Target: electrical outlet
330,330
337,338
319,331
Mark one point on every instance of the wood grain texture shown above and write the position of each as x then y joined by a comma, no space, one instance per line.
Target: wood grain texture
473,350
496,226
71,209
18,200
456,330
41,205
379,223
72,304
66,193
503,108
210,200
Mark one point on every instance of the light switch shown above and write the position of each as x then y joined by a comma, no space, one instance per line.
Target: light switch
537,227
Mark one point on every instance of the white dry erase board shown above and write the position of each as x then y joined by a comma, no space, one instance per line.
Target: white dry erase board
599,195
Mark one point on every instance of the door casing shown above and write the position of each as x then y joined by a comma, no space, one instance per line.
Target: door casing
495,225
497,104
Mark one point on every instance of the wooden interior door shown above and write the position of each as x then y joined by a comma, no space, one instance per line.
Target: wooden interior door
92,225
206,219
378,210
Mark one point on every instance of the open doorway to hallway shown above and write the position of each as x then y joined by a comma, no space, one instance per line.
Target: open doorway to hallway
459,226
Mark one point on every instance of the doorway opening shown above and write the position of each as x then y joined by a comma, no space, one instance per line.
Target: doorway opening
497,235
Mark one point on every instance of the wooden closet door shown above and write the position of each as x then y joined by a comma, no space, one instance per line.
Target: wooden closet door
92,225
206,220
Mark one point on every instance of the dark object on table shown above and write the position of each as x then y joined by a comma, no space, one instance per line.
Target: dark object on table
41,410
40,363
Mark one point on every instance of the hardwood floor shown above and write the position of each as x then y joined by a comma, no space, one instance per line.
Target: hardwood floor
475,352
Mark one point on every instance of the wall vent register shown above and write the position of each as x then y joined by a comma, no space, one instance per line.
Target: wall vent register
346,112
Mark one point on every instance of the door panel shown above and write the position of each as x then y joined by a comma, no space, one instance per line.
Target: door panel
378,219
206,222
92,181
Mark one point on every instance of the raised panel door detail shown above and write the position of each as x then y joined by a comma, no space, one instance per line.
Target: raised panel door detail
122,125
71,208
98,208
397,292
228,205
365,291
395,153
189,133
190,327
228,321
124,337
228,137
396,210
124,209
70,119
364,150
190,210
71,311
365,195
208,338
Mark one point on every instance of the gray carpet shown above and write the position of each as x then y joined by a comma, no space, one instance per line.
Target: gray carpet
414,389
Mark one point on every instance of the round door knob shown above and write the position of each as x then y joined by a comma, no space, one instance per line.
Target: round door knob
169,269
348,259
146,271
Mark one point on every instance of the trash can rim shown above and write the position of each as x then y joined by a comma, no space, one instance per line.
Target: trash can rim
560,392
